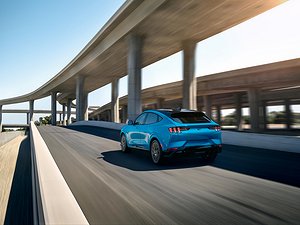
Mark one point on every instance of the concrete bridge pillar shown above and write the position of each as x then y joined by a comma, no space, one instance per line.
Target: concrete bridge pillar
134,66
219,114
1,118
255,109
31,110
207,105
60,119
238,111
108,113
69,108
115,101
200,108
53,108
28,117
288,113
159,103
64,114
265,116
81,100
124,113
189,91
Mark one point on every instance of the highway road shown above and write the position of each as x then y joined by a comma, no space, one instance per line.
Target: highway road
243,185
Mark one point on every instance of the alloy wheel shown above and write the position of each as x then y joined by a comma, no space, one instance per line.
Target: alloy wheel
155,152
124,143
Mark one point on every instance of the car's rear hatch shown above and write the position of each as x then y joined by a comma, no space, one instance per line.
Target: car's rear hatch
194,126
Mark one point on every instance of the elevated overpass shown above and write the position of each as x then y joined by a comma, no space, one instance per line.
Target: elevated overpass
131,189
254,87
244,185
29,115
141,32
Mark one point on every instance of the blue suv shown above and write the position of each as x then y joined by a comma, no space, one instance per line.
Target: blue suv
166,133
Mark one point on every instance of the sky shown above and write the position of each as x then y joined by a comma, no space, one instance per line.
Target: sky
39,38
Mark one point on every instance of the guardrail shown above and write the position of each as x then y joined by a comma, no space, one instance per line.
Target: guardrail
266,141
53,201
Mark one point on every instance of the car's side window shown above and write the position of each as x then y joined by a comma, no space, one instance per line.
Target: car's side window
141,119
151,118
159,118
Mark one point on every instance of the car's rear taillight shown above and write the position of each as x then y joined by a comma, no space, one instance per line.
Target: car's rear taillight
178,129
216,128
174,130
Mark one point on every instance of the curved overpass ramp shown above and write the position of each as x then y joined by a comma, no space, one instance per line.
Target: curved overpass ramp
116,188
163,25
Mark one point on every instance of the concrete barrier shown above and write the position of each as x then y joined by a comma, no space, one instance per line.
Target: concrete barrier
103,124
266,141
53,200
6,137
254,140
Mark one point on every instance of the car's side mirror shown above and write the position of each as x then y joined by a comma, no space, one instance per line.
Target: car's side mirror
130,122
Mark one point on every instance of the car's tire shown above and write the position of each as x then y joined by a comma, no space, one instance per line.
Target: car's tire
210,156
156,152
124,147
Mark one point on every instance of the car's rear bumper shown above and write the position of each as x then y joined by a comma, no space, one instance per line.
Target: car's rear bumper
182,144
195,150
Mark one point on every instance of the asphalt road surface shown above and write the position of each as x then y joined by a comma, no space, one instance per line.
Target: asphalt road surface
243,185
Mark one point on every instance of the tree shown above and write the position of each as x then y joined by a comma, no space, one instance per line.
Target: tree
278,117
44,120
229,119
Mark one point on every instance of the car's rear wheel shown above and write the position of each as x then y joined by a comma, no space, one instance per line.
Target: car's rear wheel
156,152
209,156
124,146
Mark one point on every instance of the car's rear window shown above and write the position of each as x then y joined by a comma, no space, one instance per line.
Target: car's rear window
189,117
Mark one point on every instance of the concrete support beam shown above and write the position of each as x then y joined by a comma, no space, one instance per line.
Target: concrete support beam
265,116
200,108
288,113
159,103
108,115
60,119
28,118
53,108
207,105
81,100
219,115
255,109
115,101
1,118
31,110
69,108
64,114
189,91
134,67
238,111
124,114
